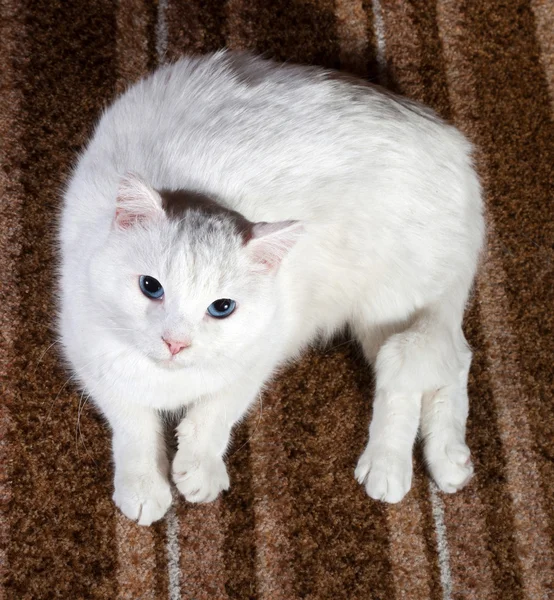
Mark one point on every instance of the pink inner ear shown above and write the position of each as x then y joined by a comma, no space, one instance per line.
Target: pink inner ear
271,242
136,202
123,219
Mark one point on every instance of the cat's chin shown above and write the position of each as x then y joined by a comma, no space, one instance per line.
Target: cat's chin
171,364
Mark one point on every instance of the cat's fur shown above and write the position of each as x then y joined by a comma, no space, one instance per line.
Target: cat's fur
358,208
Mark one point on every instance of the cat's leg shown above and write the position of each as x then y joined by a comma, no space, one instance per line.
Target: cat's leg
443,423
385,467
198,468
421,359
142,491
373,336
386,464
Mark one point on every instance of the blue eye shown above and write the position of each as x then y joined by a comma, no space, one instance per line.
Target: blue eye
151,287
221,308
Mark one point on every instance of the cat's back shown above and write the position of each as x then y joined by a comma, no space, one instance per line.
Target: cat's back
230,120
236,125
274,142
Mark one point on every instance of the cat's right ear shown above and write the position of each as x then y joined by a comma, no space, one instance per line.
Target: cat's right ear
269,243
136,202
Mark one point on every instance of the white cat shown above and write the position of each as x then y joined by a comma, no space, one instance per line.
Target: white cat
230,211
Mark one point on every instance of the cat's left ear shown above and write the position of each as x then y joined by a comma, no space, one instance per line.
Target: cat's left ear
270,242
136,202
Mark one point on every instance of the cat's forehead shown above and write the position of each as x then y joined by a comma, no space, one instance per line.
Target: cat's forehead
196,210
198,244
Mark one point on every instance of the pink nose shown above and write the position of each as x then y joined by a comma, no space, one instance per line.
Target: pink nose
175,346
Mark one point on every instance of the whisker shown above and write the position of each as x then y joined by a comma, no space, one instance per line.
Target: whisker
44,354
80,406
58,395
255,429
329,350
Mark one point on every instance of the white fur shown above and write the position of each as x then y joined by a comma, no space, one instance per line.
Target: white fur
391,229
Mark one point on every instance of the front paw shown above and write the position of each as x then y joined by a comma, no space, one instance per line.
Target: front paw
199,479
387,476
142,497
450,465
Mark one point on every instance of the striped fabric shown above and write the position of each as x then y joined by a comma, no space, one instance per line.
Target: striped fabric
295,524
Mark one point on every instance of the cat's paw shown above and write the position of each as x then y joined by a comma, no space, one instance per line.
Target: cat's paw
144,498
200,480
386,477
450,466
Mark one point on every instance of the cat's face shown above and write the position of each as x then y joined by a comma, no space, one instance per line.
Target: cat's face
189,292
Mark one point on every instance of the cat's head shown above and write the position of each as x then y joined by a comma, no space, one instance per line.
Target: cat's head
184,280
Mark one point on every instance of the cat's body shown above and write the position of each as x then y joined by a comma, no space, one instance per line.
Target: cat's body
379,227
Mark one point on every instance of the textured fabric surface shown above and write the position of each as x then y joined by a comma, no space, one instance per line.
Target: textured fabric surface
295,524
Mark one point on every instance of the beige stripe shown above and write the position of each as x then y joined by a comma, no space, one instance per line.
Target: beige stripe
522,478
544,22
161,31
11,192
352,24
173,549
272,504
380,46
442,543
136,556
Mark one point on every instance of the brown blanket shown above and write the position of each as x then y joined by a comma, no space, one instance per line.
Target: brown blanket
295,523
